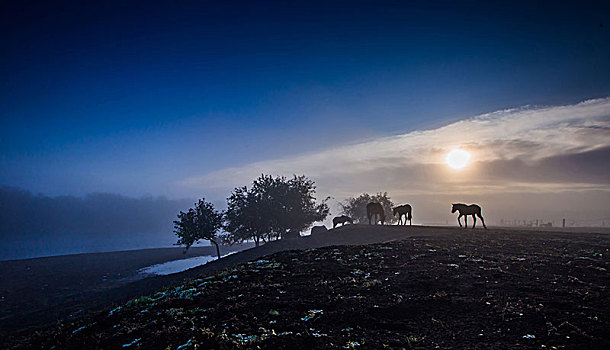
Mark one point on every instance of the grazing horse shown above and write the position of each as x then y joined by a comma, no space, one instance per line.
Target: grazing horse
401,210
374,209
466,210
342,220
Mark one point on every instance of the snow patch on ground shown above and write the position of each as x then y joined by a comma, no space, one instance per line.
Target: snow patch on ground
175,266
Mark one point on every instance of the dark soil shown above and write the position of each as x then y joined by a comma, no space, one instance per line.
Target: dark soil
39,291
449,289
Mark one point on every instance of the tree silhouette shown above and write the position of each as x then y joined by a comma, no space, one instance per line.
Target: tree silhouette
201,222
244,218
295,205
355,208
273,208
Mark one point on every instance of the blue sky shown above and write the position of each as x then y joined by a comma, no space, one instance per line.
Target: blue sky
137,98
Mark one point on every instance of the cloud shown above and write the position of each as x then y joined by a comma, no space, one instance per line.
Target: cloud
533,149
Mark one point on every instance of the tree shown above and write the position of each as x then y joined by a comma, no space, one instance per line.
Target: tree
201,222
273,208
355,208
295,205
244,219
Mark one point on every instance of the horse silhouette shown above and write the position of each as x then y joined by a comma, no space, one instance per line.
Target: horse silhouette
374,209
401,210
466,210
342,220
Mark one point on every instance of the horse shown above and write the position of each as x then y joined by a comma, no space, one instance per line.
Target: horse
374,209
466,210
342,220
401,210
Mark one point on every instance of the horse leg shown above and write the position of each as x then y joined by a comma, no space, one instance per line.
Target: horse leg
465,221
475,220
482,220
459,222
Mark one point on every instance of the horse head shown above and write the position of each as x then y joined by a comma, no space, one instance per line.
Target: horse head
453,208
394,211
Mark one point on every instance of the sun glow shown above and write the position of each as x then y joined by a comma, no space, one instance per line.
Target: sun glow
457,158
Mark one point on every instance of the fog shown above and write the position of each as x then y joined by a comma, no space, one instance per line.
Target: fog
530,163
572,186
37,225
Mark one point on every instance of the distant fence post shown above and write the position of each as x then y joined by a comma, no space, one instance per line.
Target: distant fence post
564,223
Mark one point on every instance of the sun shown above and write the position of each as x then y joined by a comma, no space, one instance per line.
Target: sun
457,158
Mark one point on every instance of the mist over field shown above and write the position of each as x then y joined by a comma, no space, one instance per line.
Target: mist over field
38,225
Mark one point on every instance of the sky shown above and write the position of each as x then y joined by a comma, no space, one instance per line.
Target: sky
190,99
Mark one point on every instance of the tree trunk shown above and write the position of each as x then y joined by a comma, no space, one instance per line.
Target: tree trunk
217,248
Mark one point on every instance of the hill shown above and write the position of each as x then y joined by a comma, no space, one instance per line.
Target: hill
445,288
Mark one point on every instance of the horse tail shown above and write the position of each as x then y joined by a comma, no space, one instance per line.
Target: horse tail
409,216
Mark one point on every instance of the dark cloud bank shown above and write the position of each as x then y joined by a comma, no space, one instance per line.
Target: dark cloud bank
37,225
